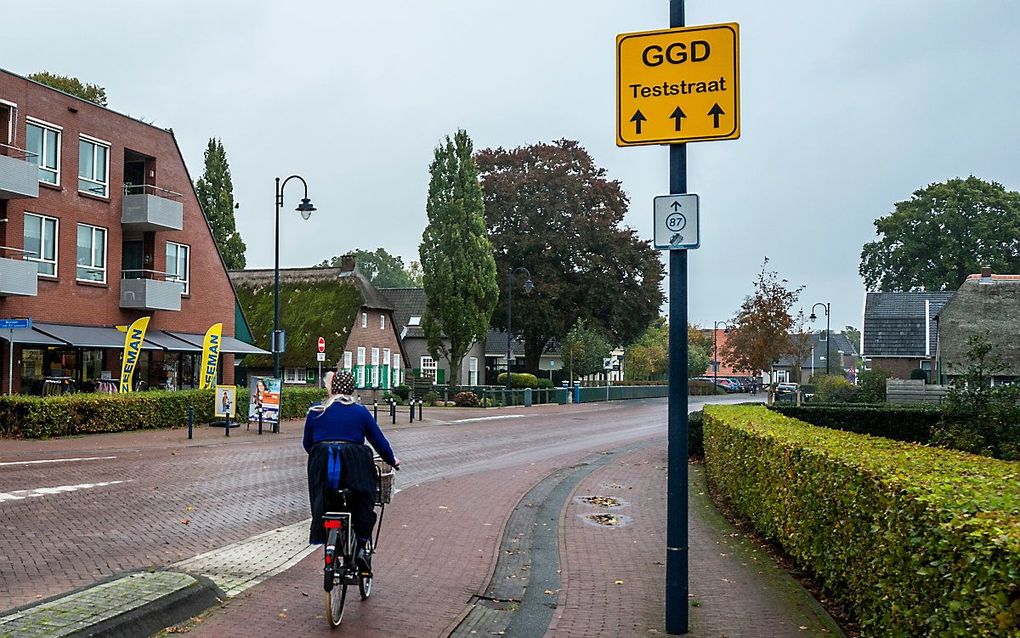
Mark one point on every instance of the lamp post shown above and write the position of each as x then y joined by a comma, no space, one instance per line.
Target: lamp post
305,208
528,285
825,306
715,353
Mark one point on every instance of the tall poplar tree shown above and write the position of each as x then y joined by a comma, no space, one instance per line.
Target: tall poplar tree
216,195
458,269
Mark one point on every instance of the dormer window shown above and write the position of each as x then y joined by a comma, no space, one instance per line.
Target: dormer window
415,320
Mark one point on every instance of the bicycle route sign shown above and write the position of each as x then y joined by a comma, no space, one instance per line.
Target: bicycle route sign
15,324
676,225
678,85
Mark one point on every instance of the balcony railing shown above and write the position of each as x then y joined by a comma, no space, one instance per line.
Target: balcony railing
19,178
144,289
17,275
150,208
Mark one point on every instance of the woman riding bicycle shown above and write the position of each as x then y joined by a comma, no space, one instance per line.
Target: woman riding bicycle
335,433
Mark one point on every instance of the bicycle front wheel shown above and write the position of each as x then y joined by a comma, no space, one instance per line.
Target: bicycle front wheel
335,604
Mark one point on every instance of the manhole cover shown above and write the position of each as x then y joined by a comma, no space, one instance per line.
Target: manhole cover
602,501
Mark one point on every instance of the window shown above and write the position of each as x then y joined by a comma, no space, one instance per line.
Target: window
93,167
364,320
415,320
473,371
382,321
91,253
347,360
428,367
385,377
177,264
361,356
43,142
41,242
375,367
294,375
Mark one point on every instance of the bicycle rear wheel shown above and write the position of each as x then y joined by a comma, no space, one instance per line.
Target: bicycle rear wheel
365,586
335,600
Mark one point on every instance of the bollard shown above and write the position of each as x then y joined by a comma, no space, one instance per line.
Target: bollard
226,425
260,420
393,410
411,403
375,410
191,420
421,405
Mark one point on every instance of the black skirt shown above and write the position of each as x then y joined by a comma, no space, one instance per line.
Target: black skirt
357,474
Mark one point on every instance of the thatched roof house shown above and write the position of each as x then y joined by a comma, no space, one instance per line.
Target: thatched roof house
986,305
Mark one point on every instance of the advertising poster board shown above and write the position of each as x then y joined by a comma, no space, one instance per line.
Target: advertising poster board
264,399
226,401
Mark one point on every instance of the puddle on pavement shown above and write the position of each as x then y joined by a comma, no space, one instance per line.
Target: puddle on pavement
606,520
601,501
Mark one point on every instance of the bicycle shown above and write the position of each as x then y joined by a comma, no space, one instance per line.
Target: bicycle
341,569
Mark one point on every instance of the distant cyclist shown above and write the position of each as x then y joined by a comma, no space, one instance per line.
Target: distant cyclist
335,433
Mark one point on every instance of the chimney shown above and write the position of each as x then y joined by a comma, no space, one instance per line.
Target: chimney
347,263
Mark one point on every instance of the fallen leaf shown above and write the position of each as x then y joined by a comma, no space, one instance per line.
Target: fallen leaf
618,581
282,615
185,521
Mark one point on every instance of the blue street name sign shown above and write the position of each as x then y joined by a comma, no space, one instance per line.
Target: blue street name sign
15,324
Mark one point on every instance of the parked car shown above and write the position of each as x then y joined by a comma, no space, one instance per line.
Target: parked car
729,385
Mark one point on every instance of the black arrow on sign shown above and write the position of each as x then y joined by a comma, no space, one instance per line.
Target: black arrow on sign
637,119
678,115
716,112
676,206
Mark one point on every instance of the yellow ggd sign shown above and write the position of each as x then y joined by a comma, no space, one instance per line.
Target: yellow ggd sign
678,85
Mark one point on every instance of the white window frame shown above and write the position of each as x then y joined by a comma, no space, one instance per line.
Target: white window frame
375,367
382,321
364,320
348,359
298,376
175,275
473,371
396,372
429,367
57,131
361,355
92,266
96,143
415,320
42,243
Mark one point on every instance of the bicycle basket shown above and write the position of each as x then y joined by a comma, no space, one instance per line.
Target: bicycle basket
386,476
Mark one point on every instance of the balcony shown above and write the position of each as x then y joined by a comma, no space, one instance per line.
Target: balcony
137,293
19,178
148,208
18,276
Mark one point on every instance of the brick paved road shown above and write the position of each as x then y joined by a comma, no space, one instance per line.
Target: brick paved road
169,499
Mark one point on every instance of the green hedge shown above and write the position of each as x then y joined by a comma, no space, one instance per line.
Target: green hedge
915,541
38,417
912,424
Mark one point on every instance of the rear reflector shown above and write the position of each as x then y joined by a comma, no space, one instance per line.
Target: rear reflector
329,559
332,524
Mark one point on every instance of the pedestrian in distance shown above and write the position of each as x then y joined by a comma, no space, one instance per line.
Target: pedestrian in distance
334,438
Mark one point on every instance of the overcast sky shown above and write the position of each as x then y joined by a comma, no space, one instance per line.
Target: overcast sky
846,109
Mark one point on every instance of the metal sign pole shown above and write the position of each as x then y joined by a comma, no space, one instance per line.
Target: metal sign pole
10,363
677,584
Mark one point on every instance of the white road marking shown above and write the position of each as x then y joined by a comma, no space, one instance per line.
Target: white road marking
489,418
82,458
18,495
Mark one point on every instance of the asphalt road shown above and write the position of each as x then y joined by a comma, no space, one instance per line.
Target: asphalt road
76,511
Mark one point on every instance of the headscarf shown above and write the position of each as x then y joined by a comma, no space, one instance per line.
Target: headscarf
341,389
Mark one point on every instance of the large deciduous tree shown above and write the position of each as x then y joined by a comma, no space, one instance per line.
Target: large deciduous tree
759,334
942,234
91,92
550,209
458,270
215,192
383,269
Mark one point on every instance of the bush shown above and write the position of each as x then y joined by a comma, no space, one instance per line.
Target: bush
912,424
402,391
700,387
915,541
919,374
431,397
834,389
872,384
43,417
695,435
518,380
466,400
545,384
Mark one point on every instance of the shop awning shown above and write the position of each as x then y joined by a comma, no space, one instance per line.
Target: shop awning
86,336
167,342
31,337
230,344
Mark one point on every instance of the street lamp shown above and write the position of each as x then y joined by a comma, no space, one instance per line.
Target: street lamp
305,208
715,353
826,306
528,285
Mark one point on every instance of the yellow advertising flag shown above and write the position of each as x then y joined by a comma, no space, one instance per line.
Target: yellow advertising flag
211,355
133,340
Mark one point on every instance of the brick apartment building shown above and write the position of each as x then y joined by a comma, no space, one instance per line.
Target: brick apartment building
100,225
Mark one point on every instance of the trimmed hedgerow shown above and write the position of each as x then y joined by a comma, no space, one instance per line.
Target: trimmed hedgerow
42,417
915,541
913,424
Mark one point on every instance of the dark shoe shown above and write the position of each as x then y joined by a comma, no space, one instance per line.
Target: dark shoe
364,561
